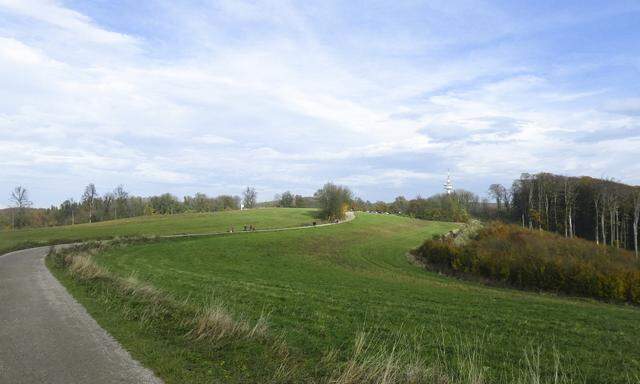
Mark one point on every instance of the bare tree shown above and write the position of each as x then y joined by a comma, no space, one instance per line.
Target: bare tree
20,200
569,201
88,197
121,198
497,191
636,218
250,197
596,199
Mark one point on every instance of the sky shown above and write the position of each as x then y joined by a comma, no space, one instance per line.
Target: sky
385,97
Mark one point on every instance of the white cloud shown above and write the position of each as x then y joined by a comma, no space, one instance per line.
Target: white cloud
51,12
260,93
213,139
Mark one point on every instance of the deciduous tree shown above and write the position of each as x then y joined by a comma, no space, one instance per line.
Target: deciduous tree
20,200
249,197
88,198
334,201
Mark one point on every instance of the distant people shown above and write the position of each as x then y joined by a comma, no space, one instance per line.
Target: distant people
245,228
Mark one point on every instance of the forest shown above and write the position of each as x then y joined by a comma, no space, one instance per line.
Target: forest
601,210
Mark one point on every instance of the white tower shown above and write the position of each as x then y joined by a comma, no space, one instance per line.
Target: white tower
448,186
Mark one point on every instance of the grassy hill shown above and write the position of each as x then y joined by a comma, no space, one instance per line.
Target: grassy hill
156,225
320,288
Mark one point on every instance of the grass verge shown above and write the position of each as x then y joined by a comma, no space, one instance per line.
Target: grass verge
184,341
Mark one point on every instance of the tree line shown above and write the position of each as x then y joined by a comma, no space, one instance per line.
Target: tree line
116,204
605,211
458,206
332,201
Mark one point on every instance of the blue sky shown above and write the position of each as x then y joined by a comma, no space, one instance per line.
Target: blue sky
385,97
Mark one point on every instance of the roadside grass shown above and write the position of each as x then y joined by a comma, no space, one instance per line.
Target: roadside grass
343,306
153,313
157,225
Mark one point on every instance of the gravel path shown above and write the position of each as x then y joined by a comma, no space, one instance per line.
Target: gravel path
47,337
349,216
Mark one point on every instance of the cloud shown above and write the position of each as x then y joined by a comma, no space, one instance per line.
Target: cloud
54,14
213,139
287,96
626,106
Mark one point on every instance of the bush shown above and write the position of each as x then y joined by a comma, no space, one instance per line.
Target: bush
538,260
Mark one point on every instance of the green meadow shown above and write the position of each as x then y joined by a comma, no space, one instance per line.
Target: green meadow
156,225
319,288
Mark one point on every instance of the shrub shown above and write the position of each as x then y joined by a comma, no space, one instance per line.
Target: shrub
531,259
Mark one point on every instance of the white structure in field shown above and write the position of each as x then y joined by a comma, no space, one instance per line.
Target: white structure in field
448,186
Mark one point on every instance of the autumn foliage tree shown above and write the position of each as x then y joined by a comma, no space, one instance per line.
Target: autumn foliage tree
334,201
533,259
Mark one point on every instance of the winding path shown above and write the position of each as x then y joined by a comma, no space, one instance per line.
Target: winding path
48,337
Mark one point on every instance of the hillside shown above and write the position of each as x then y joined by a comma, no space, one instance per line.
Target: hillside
157,225
319,289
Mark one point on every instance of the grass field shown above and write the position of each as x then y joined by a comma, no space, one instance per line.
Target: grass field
320,287
156,225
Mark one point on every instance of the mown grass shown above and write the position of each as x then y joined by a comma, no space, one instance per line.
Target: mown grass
156,225
321,288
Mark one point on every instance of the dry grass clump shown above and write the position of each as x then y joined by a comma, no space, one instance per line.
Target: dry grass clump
533,371
131,285
82,267
215,323
372,362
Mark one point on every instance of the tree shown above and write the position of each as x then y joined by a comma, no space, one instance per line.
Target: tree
286,200
89,197
250,197
569,199
165,204
20,200
200,203
334,200
298,201
498,192
67,211
399,205
120,196
108,202
636,218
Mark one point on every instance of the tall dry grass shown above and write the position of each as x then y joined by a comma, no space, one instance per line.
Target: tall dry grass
215,322
458,361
